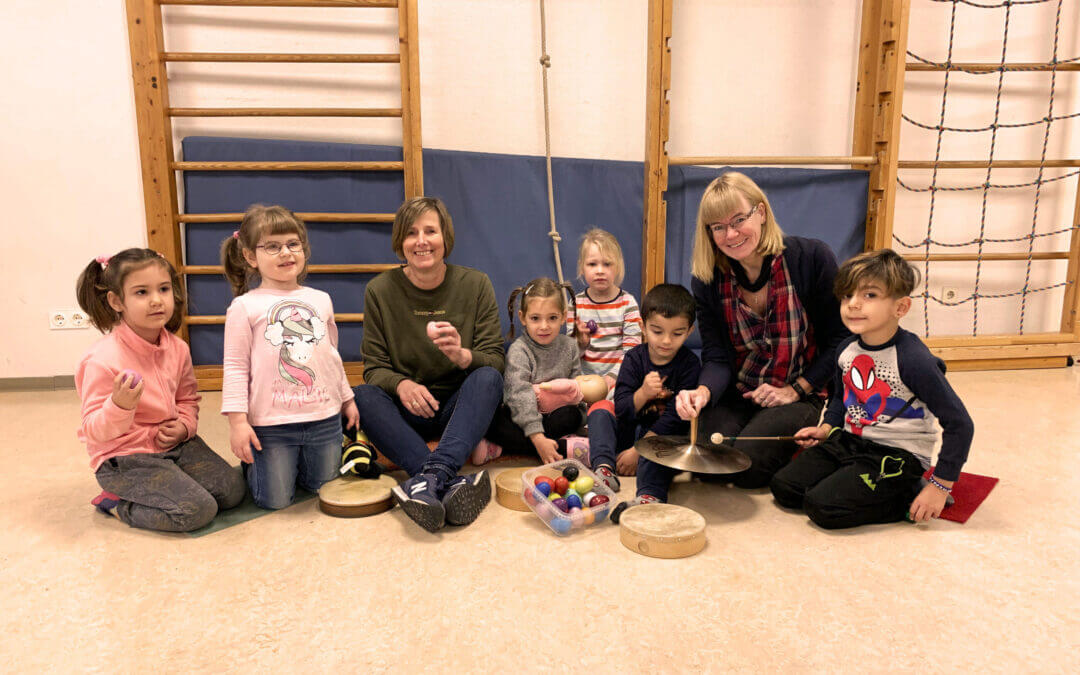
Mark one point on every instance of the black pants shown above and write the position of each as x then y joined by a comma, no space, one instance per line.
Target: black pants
557,423
735,416
848,481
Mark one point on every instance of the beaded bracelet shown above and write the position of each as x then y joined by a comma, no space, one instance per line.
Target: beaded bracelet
935,483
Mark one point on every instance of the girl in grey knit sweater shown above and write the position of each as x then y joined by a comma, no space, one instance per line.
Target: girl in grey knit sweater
541,354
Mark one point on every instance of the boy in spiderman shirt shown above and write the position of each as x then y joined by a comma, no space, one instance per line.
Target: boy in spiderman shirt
865,462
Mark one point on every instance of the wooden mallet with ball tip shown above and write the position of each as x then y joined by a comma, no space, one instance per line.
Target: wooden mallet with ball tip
720,439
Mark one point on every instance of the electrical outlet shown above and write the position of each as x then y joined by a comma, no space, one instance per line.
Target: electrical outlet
67,319
949,293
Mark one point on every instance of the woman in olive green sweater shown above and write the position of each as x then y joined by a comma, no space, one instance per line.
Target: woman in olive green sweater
433,358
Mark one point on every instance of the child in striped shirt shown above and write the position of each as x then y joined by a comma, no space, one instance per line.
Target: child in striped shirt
606,320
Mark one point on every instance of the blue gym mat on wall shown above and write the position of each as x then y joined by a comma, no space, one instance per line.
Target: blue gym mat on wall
499,207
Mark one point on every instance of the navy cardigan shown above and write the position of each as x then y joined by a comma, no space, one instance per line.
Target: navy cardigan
812,267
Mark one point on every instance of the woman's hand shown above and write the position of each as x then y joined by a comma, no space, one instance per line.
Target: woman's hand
169,434
929,503
352,415
123,394
448,340
417,399
689,402
808,437
242,437
546,448
768,396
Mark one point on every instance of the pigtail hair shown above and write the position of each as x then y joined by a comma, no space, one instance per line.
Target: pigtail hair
510,309
237,271
92,293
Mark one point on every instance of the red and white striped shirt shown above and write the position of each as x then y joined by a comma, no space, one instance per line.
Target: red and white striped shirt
618,330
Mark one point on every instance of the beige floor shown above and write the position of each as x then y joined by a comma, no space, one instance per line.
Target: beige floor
300,591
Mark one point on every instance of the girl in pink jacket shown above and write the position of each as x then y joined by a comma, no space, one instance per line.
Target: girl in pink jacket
140,406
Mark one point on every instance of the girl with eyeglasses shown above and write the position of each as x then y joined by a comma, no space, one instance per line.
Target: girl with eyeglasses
284,388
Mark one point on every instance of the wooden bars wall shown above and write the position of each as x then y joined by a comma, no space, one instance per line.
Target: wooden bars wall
164,221
875,148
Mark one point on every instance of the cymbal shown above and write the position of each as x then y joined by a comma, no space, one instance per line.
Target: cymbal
679,452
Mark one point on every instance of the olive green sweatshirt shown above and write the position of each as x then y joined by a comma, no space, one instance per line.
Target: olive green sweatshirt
396,313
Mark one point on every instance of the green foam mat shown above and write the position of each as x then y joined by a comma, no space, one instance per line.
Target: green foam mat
244,512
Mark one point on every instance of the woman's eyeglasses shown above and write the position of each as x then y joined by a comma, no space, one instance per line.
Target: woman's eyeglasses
736,223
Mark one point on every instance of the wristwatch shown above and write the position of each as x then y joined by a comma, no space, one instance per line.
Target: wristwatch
799,390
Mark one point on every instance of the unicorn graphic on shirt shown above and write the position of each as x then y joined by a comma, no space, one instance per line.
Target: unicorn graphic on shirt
296,329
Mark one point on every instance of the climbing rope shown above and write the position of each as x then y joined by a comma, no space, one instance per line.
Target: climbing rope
545,63
933,188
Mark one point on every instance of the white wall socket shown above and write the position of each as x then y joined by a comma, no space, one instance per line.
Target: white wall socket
949,294
67,319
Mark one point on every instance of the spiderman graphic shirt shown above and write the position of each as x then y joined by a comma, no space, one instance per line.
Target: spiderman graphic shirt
896,394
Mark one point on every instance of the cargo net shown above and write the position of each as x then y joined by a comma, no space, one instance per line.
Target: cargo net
986,186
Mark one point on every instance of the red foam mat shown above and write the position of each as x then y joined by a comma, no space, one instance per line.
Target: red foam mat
970,491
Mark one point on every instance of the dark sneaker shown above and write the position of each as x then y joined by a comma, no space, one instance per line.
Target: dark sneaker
418,498
607,477
465,497
616,513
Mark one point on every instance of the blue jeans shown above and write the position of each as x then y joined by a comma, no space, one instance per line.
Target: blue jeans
304,453
608,437
462,419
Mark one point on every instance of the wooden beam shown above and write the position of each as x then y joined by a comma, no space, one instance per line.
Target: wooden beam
250,57
306,217
210,377
1007,352
312,269
789,160
285,112
287,166
284,3
657,126
1008,364
997,164
891,21
862,140
1070,310
411,146
916,66
219,319
936,342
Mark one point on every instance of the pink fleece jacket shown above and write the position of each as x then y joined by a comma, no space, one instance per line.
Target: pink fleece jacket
170,392
281,360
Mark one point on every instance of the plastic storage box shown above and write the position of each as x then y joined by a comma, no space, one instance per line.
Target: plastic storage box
563,523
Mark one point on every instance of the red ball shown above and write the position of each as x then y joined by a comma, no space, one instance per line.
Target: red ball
544,479
598,500
561,484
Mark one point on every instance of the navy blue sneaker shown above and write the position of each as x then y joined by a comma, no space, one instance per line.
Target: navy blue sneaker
465,497
418,498
617,512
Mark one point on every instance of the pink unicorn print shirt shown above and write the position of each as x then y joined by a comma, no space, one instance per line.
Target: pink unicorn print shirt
281,360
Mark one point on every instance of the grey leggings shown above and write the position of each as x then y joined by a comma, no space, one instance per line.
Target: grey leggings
175,491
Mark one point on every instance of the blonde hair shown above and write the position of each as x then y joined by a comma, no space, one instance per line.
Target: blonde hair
409,212
720,200
259,221
608,245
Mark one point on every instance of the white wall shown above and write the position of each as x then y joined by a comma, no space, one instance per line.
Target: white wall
749,77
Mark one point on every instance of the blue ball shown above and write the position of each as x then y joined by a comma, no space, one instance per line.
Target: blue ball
560,525
573,501
545,488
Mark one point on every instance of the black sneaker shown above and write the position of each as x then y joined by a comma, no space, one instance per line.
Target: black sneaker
418,498
465,497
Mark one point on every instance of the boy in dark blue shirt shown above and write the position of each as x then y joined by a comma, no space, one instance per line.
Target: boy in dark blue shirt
865,462
644,401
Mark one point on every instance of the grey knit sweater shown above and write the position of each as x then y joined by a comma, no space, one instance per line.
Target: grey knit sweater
529,363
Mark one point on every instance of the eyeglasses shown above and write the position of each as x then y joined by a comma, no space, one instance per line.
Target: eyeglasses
273,248
739,221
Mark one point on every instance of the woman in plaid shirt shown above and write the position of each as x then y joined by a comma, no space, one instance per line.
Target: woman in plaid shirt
769,325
